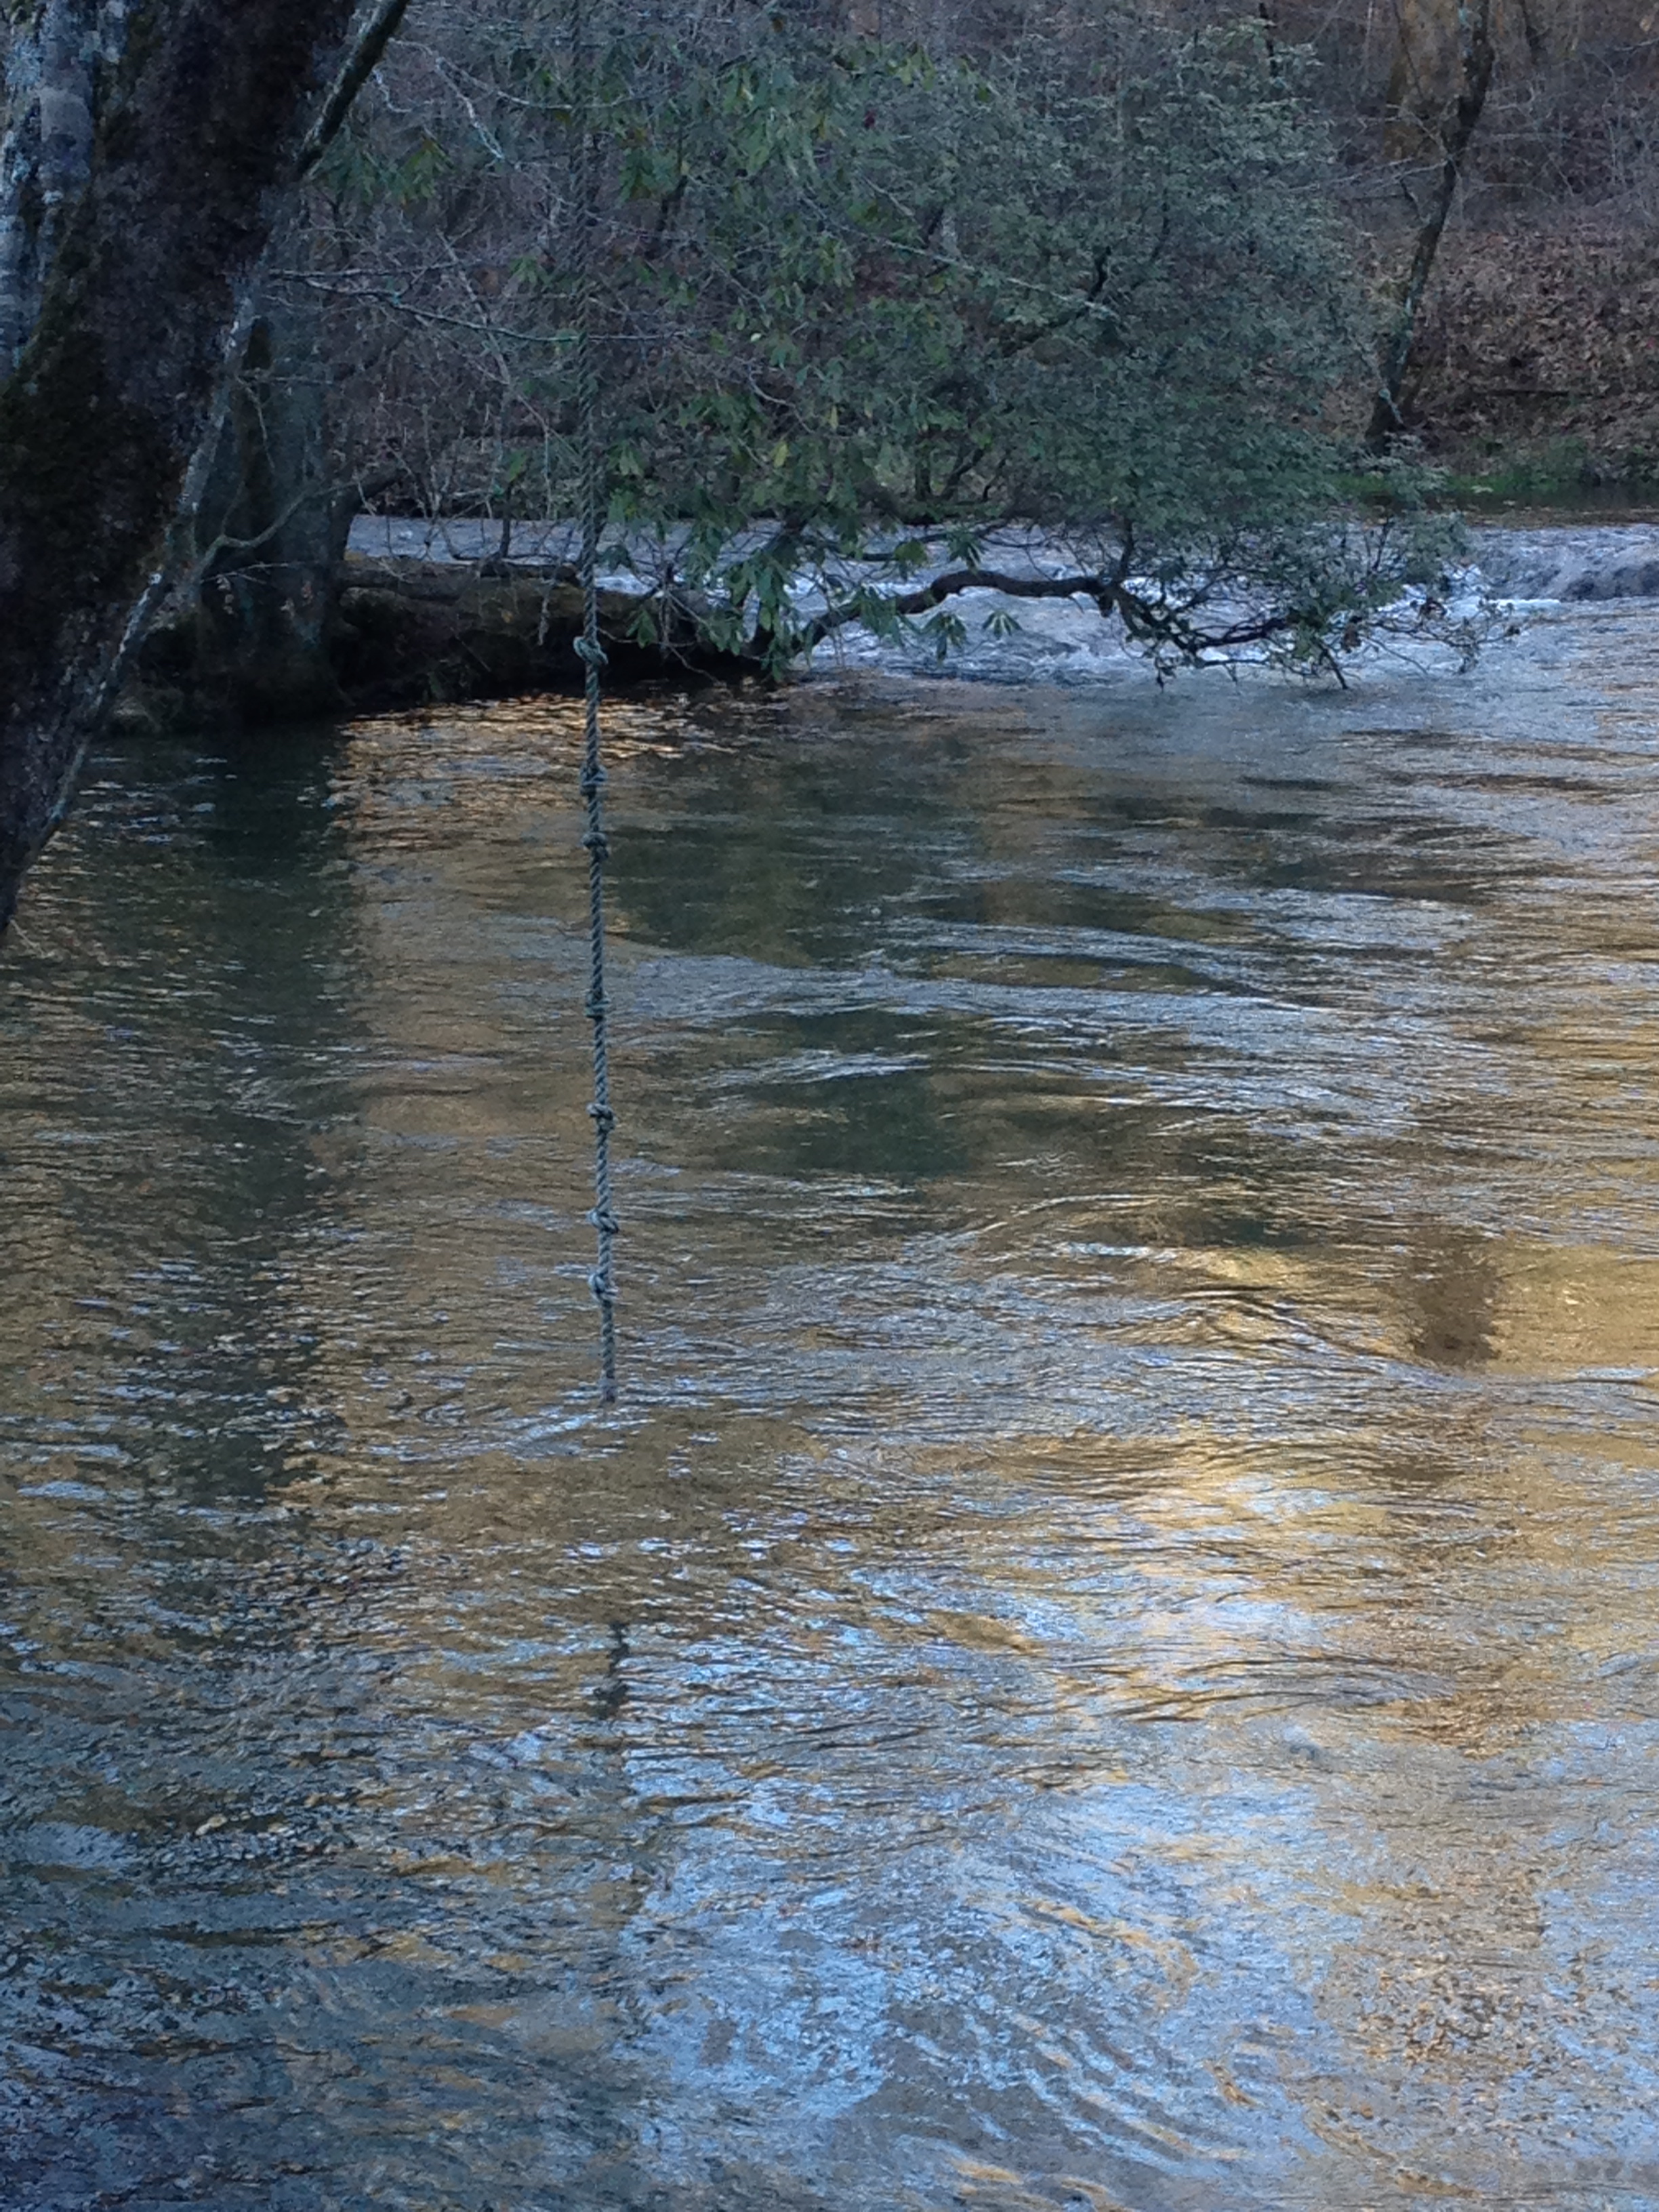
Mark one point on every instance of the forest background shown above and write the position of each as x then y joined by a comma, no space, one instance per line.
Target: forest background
890,275
1534,362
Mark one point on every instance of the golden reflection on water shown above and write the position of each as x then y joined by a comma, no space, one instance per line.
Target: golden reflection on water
1107,1656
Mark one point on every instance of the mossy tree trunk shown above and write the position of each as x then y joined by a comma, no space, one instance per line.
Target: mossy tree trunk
116,391
58,51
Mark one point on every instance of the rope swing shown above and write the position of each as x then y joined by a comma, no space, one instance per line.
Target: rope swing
602,1281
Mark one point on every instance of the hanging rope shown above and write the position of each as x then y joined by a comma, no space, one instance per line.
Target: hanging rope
602,1281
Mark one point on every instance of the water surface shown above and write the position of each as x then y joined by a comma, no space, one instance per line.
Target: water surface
1107,1658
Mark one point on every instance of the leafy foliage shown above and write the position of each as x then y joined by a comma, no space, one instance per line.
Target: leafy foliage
859,305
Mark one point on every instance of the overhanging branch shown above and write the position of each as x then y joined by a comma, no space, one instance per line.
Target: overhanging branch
1147,619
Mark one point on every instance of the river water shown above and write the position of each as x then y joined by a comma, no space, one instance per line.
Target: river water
1107,1657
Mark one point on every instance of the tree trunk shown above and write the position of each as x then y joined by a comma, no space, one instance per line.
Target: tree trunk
276,514
273,530
50,71
116,390
1478,56
1424,79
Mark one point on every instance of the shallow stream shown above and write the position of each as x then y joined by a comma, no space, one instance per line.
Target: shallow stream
1108,1657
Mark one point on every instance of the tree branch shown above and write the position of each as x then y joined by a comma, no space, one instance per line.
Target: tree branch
929,596
359,65
1147,619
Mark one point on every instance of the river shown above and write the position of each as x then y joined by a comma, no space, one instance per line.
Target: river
1107,1657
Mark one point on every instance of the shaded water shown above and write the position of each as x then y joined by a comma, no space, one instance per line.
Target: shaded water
1108,1657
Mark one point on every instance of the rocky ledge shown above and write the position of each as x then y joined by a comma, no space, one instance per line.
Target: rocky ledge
1567,561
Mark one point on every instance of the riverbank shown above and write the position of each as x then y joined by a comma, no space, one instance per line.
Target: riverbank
1536,369
435,612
